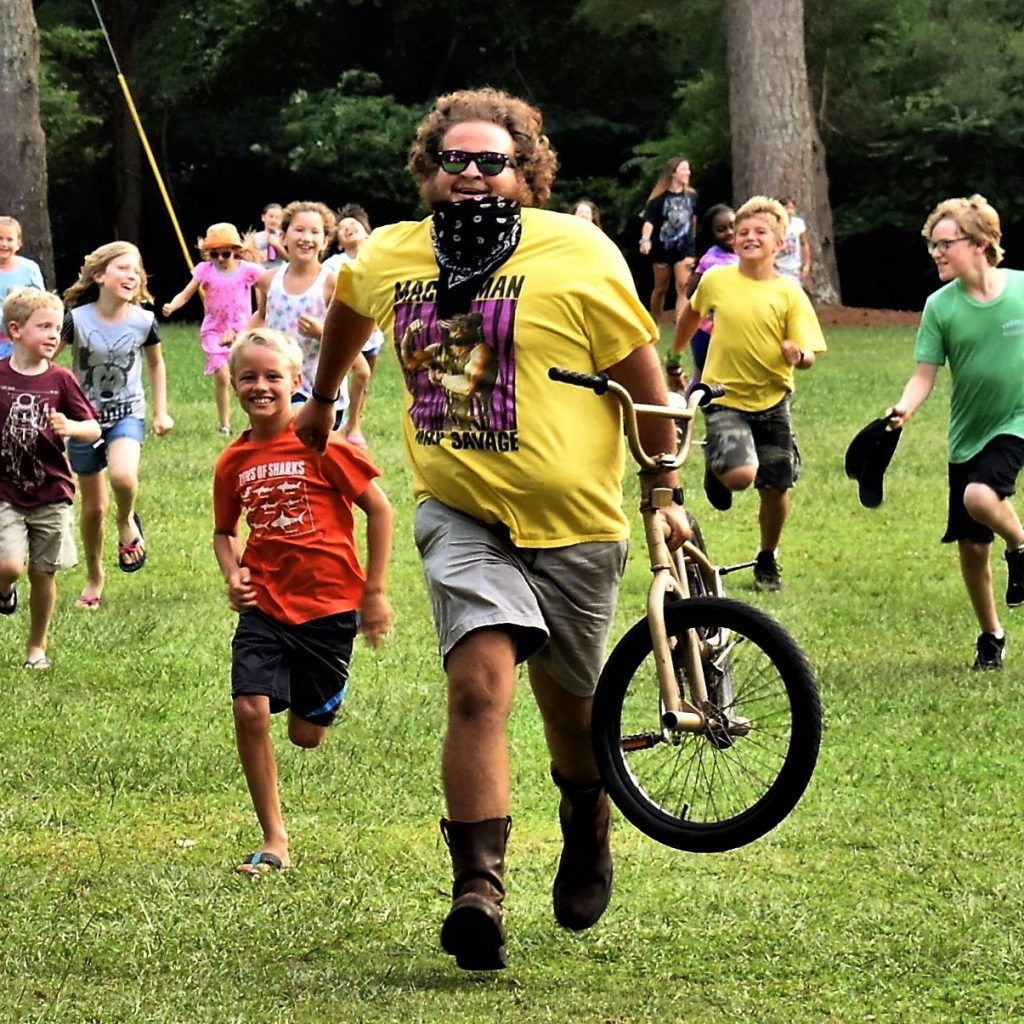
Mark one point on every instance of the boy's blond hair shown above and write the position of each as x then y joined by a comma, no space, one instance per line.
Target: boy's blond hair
12,222
771,209
267,337
973,217
23,302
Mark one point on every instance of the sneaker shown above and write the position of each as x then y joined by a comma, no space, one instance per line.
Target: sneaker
1015,578
718,494
767,574
990,652
225,431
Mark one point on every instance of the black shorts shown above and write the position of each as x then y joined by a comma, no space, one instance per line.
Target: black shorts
302,667
673,256
997,465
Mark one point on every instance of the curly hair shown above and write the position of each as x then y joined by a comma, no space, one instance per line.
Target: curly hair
536,160
976,218
309,206
85,289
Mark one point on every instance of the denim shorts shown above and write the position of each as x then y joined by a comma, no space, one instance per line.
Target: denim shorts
558,603
87,459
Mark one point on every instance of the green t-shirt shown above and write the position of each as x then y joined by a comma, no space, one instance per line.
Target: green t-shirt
983,343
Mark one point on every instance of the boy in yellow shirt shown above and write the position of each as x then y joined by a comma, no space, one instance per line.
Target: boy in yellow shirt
765,327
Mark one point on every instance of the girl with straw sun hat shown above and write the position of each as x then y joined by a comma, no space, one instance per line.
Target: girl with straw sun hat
226,274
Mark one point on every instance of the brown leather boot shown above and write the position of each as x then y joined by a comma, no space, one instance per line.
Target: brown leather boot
472,932
583,883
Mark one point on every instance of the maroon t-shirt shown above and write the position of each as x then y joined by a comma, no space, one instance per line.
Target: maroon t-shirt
34,470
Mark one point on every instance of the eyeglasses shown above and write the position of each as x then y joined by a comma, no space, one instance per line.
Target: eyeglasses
221,254
455,161
942,245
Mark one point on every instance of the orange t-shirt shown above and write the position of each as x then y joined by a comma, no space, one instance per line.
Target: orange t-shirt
301,549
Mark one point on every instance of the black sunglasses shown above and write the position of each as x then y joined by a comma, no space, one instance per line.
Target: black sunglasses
455,161
221,254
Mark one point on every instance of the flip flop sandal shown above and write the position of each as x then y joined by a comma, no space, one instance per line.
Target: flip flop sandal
88,604
41,664
135,547
260,863
9,602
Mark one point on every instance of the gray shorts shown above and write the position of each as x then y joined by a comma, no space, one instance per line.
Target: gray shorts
557,602
764,439
45,534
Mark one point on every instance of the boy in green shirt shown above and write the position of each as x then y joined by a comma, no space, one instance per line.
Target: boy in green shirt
976,323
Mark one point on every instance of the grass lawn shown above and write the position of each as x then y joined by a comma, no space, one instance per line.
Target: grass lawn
893,893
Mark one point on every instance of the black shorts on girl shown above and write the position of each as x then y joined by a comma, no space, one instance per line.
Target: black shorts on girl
997,465
303,667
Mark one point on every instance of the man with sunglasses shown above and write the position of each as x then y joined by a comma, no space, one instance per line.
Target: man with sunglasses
519,521
975,322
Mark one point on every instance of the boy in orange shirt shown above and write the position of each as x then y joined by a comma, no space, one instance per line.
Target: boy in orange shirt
298,586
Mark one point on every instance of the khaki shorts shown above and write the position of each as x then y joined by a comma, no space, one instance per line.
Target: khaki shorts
45,534
558,603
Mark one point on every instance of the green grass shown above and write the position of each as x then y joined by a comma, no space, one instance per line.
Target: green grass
893,893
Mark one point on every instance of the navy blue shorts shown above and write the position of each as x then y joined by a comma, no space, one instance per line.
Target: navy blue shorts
304,667
997,465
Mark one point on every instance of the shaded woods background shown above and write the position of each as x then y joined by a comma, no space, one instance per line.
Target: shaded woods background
248,101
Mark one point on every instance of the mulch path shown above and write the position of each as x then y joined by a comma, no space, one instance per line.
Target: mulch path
852,316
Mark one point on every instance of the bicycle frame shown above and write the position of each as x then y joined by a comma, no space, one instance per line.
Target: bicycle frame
668,576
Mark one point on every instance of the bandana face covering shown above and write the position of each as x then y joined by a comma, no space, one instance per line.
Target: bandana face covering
471,240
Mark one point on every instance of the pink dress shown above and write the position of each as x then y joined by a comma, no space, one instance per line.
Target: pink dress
227,300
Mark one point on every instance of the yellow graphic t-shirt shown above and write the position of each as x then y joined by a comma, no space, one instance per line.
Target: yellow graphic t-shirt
487,432
752,319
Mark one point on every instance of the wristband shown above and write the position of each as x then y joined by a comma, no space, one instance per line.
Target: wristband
323,399
674,361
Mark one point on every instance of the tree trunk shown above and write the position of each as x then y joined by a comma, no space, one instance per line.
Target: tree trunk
23,152
776,148
125,33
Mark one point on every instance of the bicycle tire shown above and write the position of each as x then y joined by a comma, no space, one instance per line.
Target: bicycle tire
694,577
686,790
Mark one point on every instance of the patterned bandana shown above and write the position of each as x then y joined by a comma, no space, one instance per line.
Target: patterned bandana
471,240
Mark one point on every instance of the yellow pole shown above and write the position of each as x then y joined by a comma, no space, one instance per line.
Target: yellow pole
156,170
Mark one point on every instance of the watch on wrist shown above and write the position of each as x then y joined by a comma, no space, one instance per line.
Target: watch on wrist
323,399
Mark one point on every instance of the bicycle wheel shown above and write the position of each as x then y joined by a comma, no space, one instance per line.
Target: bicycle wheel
737,779
698,585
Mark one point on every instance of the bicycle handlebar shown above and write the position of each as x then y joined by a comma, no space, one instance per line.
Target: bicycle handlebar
597,382
601,384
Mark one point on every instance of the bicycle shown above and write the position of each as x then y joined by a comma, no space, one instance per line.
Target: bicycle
706,718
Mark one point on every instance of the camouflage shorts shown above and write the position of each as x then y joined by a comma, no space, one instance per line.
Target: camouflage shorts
764,439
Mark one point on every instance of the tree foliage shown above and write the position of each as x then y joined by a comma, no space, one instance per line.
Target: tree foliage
248,100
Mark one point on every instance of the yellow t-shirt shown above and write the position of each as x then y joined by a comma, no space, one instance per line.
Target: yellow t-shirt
486,431
752,319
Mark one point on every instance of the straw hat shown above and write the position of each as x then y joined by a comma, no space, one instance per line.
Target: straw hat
221,235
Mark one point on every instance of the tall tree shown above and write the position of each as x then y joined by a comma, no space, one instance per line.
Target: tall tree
776,147
23,154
